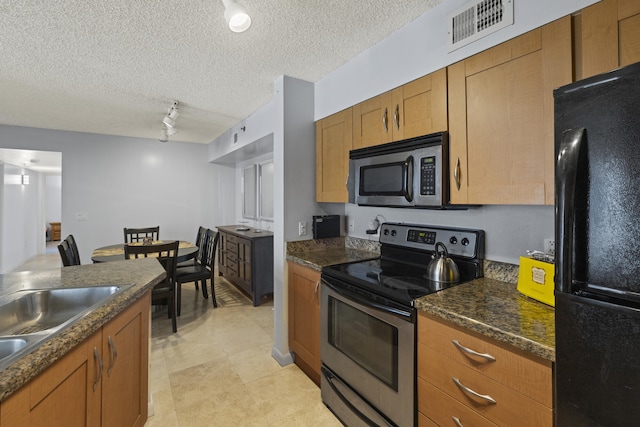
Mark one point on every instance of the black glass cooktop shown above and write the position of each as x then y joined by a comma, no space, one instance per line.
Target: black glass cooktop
398,282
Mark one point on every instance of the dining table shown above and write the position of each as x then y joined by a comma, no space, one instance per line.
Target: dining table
186,251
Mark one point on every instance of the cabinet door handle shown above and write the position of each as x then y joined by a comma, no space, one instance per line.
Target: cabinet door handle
385,120
473,352
472,392
456,173
96,355
114,355
315,292
396,117
457,421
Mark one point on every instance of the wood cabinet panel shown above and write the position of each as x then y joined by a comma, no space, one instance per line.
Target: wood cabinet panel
304,318
333,142
422,106
525,373
75,391
125,380
443,409
520,383
511,408
501,118
45,399
414,109
373,121
607,36
630,40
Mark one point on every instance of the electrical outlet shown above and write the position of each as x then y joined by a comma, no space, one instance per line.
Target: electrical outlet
352,226
549,246
302,228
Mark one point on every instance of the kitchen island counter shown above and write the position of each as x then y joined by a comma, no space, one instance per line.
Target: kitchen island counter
142,274
497,310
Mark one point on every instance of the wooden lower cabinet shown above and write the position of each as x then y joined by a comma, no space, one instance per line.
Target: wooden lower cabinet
517,386
304,318
75,391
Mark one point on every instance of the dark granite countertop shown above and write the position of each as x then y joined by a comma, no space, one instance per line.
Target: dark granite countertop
496,309
143,274
330,256
249,233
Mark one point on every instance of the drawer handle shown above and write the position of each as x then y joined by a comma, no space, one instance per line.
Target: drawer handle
472,352
114,355
385,121
96,355
457,421
472,392
456,173
315,292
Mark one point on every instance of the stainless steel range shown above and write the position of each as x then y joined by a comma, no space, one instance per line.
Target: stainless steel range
368,330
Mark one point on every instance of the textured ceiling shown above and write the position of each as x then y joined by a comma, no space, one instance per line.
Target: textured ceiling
114,67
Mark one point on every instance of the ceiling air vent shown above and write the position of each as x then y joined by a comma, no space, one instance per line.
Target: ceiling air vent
476,20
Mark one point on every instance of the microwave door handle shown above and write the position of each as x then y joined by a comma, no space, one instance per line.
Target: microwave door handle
409,179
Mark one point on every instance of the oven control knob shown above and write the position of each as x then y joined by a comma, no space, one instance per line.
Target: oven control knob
453,240
393,232
465,242
386,232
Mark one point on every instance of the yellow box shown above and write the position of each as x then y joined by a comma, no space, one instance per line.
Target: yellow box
535,280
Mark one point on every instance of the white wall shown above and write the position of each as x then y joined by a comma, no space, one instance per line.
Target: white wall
126,182
420,48
22,224
53,198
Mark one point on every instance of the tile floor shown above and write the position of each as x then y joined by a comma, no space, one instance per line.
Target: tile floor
217,370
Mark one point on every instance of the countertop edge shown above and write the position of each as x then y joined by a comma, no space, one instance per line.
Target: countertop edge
486,330
30,365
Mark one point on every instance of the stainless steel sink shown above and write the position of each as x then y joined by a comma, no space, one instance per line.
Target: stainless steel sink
30,317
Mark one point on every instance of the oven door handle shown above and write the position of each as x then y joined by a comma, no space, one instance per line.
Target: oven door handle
334,382
406,315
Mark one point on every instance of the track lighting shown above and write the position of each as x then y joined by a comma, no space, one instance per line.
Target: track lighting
236,16
169,122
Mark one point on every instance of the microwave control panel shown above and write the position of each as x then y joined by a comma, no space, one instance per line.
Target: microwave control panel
428,176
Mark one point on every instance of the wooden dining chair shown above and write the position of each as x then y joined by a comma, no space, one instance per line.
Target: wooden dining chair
69,252
200,243
74,248
133,235
164,293
202,270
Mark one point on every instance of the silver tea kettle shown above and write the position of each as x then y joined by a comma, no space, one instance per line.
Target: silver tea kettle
441,268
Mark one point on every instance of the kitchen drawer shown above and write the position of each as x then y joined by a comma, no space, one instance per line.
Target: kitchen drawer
442,408
511,408
423,421
527,374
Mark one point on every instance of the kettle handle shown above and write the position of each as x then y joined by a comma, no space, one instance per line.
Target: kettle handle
444,249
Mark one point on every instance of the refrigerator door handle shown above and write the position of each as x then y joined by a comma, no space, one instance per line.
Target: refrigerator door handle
566,174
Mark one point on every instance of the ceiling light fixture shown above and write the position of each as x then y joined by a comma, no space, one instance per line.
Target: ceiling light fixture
236,16
169,122
164,135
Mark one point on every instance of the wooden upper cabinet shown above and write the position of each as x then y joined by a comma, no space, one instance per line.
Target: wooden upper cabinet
501,118
414,109
333,142
607,36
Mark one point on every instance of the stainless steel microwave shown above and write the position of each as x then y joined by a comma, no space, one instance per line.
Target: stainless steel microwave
408,173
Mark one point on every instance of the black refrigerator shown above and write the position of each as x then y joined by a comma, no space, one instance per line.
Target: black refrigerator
597,269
